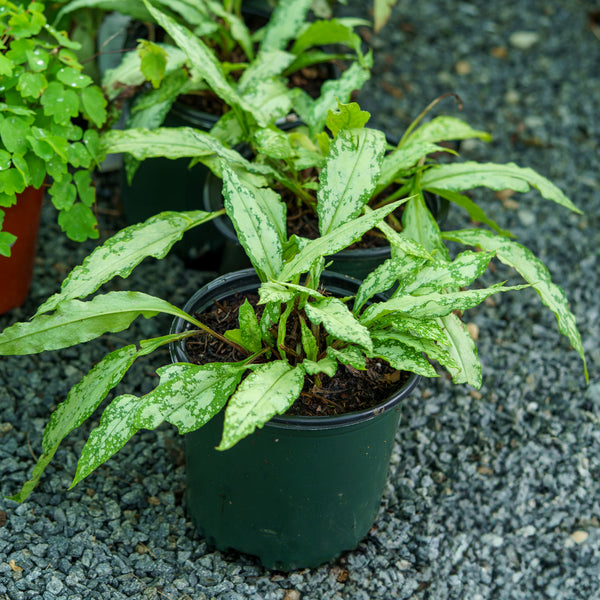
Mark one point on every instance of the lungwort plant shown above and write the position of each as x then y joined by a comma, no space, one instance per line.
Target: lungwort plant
216,56
45,98
404,313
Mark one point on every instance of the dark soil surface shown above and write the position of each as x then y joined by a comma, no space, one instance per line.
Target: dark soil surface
349,391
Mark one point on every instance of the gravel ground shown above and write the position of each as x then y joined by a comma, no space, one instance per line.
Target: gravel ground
493,494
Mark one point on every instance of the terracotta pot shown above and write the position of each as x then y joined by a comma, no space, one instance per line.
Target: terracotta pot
16,271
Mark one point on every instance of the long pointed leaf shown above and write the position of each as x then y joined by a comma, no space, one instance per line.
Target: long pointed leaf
403,357
463,350
268,391
533,271
348,179
75,322
285,22
465,176
444,129
255,230
121,253
201,57
434,304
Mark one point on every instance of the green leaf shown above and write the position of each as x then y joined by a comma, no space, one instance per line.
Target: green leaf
267,65
153,62
327,366
82,400
94,105
333,91
75,322
133,8
60,103
432,305
461,272
257,234
14,131
6,66
38,59
465,176
402,357
201,58
329,31
188,396
533,270
396,163
309,342
338,321
351,356
31,85
337,240
419,225
285,22
73,78
268,391
348,116
249,327
349,177
445,129
122,252
79,223
382,9
63,194
462,350
6,242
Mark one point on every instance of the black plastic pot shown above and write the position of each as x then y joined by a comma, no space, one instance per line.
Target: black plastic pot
355,263
162,184
301,490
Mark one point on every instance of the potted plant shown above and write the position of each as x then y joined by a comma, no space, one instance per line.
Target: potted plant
46,99
297,331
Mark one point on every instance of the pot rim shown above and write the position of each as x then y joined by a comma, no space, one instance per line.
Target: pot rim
250,279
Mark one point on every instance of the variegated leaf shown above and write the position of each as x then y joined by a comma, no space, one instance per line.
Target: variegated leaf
463,350
188,396
268,391
338,321
121,253
266,65
201,57
326,366
431,305
533,270
75,322
348,179
333,242
444,129
468,175
314,113
117,425
350,355
276,291
249,327
82,400
384,276
285,22
435,348
419,225
402,357
461,272
255,230
397,162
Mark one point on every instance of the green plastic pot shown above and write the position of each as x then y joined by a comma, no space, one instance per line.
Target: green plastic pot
301,490
356,263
